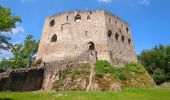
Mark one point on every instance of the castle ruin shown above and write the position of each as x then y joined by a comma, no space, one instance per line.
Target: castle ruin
86,36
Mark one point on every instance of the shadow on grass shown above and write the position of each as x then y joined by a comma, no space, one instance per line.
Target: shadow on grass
6,99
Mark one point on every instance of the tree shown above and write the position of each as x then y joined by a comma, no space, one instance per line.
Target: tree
157,62
7,22
22,54
18,60
30,48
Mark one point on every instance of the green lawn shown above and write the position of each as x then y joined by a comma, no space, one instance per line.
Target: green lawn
126,94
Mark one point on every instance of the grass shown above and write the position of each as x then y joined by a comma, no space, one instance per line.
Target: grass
126,94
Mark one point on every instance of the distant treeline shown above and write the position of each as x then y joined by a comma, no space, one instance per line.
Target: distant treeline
157,62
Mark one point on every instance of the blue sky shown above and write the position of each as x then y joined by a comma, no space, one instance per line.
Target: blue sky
148,19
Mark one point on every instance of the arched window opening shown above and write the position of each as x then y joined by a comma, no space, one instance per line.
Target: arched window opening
91,45
52,22
127,29
117,36
110,20
77,18
54,38
123,38
109,33
88,17
129,41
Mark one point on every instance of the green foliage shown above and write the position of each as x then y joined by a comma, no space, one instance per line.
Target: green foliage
135,67
132,75
157,63
30,48
22,54
7,22
103,67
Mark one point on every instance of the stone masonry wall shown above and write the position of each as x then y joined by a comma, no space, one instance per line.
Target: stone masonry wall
120,49
74,36
22,80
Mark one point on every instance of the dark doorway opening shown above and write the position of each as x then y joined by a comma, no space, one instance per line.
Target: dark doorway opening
91,45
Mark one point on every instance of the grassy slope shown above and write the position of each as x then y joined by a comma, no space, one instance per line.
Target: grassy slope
126,94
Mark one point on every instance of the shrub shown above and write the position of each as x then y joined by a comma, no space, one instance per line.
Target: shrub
135,67
102,67
132,75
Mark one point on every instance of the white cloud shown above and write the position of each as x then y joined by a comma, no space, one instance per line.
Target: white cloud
15,31
105,1
144,2
5,52
3,44
18,30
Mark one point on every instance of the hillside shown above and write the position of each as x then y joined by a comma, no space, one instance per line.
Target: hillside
102,76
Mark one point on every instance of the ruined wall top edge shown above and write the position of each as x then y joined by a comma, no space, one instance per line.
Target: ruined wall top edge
87,12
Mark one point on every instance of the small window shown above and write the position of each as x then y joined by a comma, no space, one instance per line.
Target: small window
117,36
90,12
129,41
52,22
109,33
123,38
67,18
54,38
77,18
127,29
110,20
88,17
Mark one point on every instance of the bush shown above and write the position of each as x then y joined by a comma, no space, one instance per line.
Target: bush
102,67
132,75
135,67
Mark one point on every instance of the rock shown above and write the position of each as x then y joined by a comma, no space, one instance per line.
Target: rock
95,86
115,87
